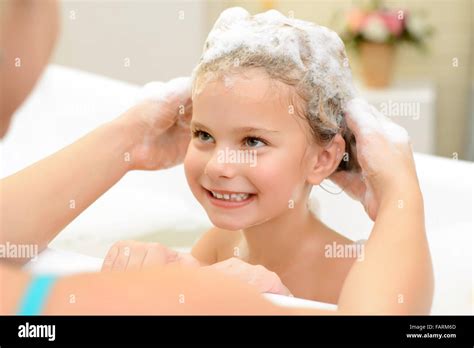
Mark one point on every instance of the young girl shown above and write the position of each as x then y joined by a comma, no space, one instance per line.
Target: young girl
274,89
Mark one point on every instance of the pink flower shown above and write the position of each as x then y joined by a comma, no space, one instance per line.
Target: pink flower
394,21
355,19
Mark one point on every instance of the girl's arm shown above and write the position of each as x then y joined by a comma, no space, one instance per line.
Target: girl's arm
39,201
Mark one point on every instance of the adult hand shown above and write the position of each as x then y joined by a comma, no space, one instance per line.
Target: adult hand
255,275
385,156
159,124
131,255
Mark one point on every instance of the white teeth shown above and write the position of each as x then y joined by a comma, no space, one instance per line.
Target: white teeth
237,197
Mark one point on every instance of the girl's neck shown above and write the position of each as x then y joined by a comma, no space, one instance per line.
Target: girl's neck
277,242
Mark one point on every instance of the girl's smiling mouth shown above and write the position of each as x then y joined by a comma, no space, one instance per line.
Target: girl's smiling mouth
229,199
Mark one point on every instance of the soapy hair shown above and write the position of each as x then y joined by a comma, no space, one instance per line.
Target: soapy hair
305,56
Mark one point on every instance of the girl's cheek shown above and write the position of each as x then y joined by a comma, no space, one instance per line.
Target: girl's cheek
270,175
193,166
278,176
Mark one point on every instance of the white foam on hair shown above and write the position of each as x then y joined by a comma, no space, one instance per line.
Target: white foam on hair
161,91
275,34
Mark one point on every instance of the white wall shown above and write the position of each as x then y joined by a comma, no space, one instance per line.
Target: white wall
160,39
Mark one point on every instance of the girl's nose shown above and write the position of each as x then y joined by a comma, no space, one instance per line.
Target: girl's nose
219,166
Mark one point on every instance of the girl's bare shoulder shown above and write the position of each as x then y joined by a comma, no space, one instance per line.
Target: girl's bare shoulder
339,254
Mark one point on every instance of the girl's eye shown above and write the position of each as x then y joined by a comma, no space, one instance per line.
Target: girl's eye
254,142
203,136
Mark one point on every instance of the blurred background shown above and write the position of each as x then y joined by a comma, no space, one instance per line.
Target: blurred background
427,87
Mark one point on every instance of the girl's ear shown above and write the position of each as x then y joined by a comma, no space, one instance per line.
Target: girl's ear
324,160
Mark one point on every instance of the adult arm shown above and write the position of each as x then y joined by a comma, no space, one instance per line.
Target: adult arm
38,202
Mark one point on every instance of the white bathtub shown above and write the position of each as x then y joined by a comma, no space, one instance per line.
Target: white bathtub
150,205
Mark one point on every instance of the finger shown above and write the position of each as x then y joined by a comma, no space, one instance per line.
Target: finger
351,183
171,255
156,255
184,120
276,285
110,259
280,289
359,117
394,132
137,255
362,117
188,260
151,91
377,114
345,179
385,122
179,87
123,256
341,178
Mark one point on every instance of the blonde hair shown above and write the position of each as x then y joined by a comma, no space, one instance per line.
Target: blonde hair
289,51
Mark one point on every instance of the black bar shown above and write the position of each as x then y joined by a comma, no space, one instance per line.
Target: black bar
139,330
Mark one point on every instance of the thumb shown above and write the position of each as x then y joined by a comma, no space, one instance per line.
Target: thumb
352,183
279,288
340,178
188,260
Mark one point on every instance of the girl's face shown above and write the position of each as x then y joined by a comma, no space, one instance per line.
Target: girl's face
249,157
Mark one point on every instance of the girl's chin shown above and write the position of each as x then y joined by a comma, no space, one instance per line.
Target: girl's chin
228,224
233,223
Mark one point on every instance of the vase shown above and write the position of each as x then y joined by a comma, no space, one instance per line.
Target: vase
377,62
